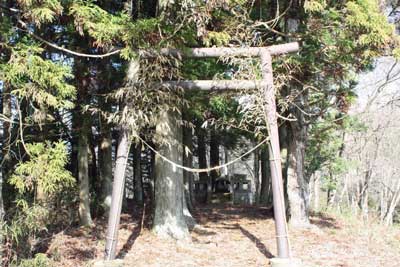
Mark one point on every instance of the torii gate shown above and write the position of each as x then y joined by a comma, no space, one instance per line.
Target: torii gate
265,54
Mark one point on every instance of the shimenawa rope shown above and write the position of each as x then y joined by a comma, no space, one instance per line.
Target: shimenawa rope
196,170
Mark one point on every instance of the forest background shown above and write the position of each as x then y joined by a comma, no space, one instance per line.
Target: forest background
76,96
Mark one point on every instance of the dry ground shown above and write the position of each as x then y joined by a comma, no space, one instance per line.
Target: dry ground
234,236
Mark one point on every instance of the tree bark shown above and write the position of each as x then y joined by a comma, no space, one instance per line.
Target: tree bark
105,146
83,172
169,220
297,186
202,158
188,162
296,183
105,165
392,207
93,170
316,188
5,98
5,107
188,198
137,151
1,218
257,180
7,134
331,193
265,190
214,157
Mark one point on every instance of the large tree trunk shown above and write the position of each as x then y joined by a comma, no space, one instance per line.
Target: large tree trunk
296,182
169,220
105,147
83,172
297,186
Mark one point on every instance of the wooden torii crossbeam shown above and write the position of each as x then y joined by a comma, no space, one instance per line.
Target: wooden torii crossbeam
265,54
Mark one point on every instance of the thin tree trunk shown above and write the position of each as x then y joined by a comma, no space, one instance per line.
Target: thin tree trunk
7,134
383,203
105,165
188,176
332,190
202,157
94,180
1,219
169,220
188,162
137,151
83,173
316,189
265,191
3,142
152,179
393,204
257,182
365,194
5,107
214,156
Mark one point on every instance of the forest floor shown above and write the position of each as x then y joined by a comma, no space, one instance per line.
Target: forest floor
234,236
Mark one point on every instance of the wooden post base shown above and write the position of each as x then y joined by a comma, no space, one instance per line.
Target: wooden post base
284,262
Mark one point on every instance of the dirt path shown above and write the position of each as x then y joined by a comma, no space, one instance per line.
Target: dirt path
236,236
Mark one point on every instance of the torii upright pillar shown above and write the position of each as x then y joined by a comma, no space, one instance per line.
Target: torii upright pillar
274,156
265,54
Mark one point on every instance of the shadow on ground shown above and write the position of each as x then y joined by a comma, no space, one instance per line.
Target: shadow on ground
260,246
227,213
324,221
